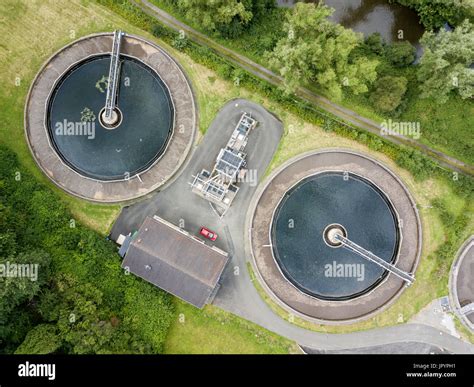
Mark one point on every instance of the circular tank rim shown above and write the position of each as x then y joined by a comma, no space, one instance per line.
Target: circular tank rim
180,144
294,305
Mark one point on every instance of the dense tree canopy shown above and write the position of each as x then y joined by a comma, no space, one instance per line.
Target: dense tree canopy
41,340
227,17
217,14
388,93
446,64
81,301
317,50
400,54
434,13
375,43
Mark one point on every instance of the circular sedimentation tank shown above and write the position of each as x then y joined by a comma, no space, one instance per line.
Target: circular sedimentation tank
110,151
303,220
304,229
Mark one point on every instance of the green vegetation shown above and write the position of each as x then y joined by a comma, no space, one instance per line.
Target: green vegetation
228,17
417,163
434,14
388,93
444,126
317,50
303,134
82,298
447,127
213,331
400,54
259,35
82,301
23,34
445,65
41,340
463,330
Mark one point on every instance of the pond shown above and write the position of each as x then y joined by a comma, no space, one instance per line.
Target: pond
393,21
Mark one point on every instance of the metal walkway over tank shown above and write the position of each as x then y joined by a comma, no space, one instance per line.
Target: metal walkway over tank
111,99
375,259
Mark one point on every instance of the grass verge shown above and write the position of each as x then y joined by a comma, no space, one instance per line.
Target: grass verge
214,331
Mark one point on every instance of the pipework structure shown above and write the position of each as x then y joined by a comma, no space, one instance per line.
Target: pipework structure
219,186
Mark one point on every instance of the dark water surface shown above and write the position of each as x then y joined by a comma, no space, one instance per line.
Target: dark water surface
369,16
130,148
325,199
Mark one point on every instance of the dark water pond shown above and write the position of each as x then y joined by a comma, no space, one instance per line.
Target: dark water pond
393,21
104,154
297,235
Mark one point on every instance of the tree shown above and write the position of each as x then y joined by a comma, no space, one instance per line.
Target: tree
445,66
85,298
41,340
20,285
259,8
81,316
229,15
317,50
400,54
388,93
374,42
435,13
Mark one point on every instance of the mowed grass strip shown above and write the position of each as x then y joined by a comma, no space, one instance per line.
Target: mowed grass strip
214,331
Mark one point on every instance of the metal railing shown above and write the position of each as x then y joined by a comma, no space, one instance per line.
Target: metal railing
111,98
373,258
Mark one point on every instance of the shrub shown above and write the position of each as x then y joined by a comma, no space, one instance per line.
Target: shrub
85,271
388,93
375,43
400,54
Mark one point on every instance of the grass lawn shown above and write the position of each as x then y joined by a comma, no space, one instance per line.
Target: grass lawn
213,331
31,32
466,334
446,127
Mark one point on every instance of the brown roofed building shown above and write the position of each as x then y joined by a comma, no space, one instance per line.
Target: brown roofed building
175,261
